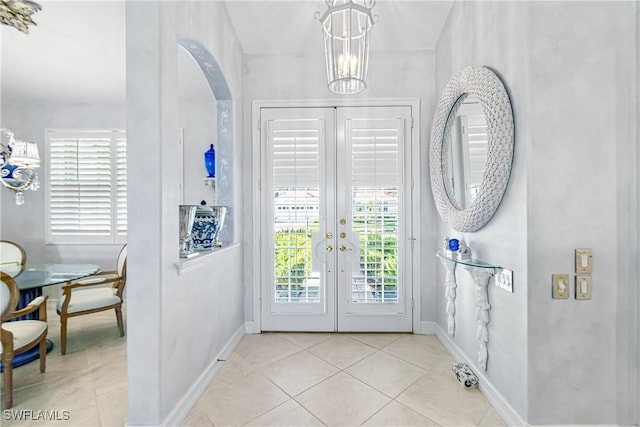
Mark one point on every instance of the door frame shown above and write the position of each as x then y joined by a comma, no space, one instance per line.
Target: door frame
254,233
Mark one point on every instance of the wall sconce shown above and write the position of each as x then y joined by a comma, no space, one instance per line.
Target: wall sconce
346,26
18,159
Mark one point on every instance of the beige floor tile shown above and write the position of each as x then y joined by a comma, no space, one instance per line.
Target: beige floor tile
306,340
342,351
378,341
386,373
197,418
239,401
298,372
418,350
492,419
111,408
263,349
289,413
395,414
445,401
342,401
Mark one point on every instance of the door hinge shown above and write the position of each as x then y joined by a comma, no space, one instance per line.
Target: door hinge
413,183
412,122
413,242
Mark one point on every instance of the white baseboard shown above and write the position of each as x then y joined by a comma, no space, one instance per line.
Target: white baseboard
252,327
427,328
497,400
190,398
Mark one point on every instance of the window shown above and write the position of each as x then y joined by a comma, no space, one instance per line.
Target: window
86,186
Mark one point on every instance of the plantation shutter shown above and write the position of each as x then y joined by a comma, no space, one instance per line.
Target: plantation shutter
295,152
86,186
375,152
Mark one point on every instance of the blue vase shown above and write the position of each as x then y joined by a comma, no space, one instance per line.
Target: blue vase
210,161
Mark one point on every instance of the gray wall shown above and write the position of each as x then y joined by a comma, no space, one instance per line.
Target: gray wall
571,76
178,324
391,75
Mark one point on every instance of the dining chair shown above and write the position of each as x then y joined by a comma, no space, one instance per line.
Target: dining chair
91,295
12,258
18,336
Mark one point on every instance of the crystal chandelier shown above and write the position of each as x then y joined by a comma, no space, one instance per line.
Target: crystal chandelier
346,26
17,13
18,159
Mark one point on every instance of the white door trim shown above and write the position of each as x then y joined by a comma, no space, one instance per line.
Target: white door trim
254,231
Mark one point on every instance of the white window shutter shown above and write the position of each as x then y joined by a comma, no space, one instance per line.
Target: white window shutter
86,186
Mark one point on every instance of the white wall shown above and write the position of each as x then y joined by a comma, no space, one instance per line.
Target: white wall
26,224
177,323
571,76
391,75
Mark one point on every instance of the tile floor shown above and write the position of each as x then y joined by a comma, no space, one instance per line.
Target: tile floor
297,379
90,381
272,379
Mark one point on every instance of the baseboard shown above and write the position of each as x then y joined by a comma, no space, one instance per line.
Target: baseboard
252,328
188,401
497,400
427,328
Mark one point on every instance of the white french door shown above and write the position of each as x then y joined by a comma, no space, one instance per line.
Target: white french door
336,219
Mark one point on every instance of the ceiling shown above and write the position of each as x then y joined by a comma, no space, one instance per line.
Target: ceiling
78,43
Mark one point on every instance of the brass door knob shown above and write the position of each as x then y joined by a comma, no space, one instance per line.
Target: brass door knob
343,235
329,235
329,248
343,248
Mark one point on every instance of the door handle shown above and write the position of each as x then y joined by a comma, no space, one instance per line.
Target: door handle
343,248
329,248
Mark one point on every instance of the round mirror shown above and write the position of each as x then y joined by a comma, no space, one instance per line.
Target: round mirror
471,148
467,143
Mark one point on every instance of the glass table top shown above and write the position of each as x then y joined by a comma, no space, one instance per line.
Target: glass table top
37,275
473,262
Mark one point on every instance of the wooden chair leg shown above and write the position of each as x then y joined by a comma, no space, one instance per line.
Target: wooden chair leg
63,334
119,320
43,354
7,374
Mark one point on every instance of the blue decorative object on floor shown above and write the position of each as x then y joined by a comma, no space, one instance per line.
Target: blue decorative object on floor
28,356
465,375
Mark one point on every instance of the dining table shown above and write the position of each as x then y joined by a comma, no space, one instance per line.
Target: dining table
31,280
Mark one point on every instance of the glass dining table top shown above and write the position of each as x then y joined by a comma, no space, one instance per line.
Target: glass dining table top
38,275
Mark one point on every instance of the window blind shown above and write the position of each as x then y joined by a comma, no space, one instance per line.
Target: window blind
87,186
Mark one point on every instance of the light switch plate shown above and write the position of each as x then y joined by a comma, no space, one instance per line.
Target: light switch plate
583,286
560,286
504,279
584,261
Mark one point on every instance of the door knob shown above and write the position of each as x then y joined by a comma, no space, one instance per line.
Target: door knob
329,235
343,221
343,248
329,248
343,235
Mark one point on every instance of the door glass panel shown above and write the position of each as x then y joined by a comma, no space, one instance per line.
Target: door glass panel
375,180
296,209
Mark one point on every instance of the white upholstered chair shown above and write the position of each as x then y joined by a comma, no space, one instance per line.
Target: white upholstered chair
20,335
12,258
100,292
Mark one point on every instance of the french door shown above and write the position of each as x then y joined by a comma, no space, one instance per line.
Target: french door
336,219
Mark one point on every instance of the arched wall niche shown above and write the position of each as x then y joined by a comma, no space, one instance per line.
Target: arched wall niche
223,143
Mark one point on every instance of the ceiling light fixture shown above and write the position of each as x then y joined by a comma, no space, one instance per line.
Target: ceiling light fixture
17,13
18,159
346,26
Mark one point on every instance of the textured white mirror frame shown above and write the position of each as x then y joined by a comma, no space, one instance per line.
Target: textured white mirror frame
485,85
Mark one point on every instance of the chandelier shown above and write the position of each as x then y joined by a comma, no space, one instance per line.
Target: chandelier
346,26
17,13
18,159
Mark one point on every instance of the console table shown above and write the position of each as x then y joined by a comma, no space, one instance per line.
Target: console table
480,272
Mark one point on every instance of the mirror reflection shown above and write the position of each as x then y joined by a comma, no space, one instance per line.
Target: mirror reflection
466,156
